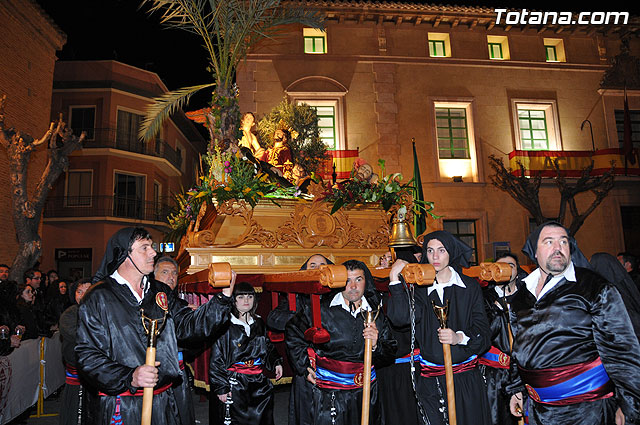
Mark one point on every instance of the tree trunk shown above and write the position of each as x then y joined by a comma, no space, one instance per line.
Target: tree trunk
27,211
225,117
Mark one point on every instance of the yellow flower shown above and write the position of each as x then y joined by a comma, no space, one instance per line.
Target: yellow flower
246,190
260,193
227,188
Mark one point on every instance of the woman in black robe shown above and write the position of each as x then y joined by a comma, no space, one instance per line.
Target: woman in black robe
238,359
301,394
74,399
467,325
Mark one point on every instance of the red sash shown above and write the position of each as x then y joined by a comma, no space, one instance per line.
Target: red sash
140,392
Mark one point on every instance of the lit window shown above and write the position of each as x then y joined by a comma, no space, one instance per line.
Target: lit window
439,45
437,48
315,41
533,129
453,137
327,125
498,47
537,125
83,118
79,188
465,230
554,50
330,117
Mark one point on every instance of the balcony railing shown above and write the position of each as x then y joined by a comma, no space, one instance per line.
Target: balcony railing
571,163
112,138
106,206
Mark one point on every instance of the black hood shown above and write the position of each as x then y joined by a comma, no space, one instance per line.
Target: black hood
459,252
115,254
531,245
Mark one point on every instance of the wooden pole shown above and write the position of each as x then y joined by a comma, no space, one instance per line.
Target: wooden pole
147,393
451,394
442,315
366,383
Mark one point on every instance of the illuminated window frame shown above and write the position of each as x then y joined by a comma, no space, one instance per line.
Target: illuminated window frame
439,45
555,46
552,124
502,44
314,41
335,100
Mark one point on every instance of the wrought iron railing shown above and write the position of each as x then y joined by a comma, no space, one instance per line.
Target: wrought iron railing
106,206
112,138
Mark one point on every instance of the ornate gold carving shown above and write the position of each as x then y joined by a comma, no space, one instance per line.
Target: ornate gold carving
310,225
254,232
202,238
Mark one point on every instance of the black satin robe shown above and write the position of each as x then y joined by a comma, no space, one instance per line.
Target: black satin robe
497,379
575,323
74,398
112,343
466,314
301,394
397,398
346,344
253,394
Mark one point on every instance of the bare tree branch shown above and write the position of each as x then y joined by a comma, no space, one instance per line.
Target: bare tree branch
526,192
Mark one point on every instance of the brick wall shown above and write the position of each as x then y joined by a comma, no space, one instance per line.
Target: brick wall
27,57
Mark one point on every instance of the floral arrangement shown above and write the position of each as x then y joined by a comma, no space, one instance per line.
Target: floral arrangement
301,122
387,191
230,176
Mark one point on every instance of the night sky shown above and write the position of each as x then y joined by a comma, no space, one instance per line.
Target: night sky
117,29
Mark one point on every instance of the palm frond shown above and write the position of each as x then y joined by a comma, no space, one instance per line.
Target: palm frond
162,108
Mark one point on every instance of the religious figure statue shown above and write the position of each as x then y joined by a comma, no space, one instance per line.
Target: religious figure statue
279,156
364,172
249,139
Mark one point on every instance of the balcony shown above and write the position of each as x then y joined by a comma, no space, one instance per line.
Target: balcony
571,163
106,206
114,139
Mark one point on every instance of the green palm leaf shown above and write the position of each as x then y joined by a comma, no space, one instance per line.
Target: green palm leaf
162,108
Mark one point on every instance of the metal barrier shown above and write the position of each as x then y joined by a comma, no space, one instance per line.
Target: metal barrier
20,386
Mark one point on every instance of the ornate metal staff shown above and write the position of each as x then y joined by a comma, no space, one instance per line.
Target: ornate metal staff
369,318
154,328
441,314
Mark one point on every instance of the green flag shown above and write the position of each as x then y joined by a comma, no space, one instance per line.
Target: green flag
419,219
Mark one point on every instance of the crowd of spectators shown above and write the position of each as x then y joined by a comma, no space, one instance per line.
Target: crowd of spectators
30,308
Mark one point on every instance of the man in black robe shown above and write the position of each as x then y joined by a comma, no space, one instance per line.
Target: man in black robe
301,393
336,367
575,350
467,330
112,342
166,271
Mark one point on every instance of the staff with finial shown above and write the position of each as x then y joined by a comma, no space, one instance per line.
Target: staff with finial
441,314
153,328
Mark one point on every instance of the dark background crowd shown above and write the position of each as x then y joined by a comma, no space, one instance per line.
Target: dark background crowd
32,307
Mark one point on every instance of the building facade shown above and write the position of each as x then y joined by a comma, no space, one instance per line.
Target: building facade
465,87
115,180
26,80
